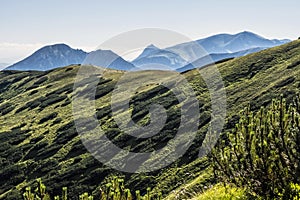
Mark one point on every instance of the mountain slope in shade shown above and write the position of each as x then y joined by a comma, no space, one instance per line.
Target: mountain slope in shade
50,57
108,59
217,57
155,58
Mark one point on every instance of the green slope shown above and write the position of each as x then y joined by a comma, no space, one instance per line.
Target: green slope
254,79
38,138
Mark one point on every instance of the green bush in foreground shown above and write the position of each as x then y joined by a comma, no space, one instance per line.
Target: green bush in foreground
39,193
114,190
262,153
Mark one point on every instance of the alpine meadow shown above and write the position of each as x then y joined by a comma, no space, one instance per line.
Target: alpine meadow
257,155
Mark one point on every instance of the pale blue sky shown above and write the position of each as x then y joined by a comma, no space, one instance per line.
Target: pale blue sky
28,25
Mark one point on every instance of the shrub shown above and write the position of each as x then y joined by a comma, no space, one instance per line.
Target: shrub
31,104
33,92
40,192
48,117
57,121
41,80
113,190
65,89
104,89
6,108
292,192
294,64
52,99
67,102
262,153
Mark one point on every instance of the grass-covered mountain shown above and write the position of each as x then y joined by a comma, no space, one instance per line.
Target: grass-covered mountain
38,138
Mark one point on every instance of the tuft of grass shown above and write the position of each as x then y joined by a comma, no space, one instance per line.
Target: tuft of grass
222,192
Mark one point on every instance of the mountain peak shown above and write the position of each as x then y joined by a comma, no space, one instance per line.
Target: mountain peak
60,45
249,34
152,46
150,49
50,57
107,59
56,46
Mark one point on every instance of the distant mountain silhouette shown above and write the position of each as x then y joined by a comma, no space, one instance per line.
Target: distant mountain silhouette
50,57
207,50
154,57
178,57
108,59
223,43
216,57
60,55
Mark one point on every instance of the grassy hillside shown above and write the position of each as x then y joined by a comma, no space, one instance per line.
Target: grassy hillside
38,138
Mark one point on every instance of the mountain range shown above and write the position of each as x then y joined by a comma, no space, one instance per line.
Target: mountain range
39,139
227,43
180,57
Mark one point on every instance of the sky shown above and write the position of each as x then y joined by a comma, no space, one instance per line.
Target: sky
26,26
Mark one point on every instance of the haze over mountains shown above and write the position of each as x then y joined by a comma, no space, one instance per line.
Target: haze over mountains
107,59
153,57
3,65
226,43
179,57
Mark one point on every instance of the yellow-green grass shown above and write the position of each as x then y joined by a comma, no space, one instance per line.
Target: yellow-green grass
222,192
